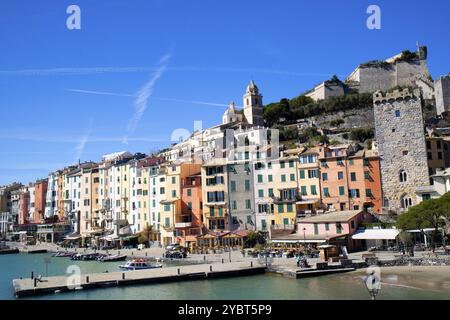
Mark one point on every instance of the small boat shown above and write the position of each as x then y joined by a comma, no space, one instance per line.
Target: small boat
63,254
139,264
111,258
85,256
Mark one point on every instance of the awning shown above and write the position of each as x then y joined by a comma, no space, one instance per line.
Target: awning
73,236
376,234
110,237
125,231
308,201
297,241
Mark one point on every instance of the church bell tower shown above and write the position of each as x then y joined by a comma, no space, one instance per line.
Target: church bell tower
253,107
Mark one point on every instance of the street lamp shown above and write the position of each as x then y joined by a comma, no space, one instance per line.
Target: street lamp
304,238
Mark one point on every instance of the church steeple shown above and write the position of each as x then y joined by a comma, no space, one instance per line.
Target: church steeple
253,106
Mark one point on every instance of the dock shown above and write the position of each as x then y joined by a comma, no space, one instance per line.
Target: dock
51,285
296,273
33,251
9,251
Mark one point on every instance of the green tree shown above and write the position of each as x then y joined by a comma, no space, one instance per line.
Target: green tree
253,238
433,213
146,235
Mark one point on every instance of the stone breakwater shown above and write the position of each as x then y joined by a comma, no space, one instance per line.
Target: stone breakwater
410,261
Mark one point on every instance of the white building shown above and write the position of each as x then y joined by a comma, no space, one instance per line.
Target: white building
441,185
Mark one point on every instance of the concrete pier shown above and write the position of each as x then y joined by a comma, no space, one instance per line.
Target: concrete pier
50,285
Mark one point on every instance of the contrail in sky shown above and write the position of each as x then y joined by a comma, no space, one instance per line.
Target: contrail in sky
106,93
143,96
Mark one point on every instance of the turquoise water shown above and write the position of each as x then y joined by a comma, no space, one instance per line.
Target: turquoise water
260,287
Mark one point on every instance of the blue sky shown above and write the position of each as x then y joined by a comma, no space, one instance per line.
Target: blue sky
174,55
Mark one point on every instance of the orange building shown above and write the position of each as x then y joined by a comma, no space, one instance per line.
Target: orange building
40,193
350,180
189,222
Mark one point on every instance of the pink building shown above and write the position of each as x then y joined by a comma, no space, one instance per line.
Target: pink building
334,228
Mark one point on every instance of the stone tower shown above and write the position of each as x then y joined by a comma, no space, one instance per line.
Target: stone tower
253,107
399,131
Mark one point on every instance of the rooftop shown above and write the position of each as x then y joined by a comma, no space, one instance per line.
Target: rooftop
339,216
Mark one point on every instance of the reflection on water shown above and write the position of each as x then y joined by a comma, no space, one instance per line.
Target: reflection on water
260,287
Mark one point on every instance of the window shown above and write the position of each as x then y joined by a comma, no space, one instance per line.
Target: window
247,185
303,190
280,208
282,164
352,223
283,178
292,176
340,175
174,193
354,193
167,223
440,155
162,190
270,192
369,193
366,162
211,211
428,144
189,192
341,191
324,176
351,162
220,211
397,113
261,193
339,162
260,178
326,192
248,204
285,221
302,174
291,163
438,144
327,226
313,190
338,228
189,205
289,207
403,177
313,174
167,207
316,229
270,178
367,175
233,186
234,205
353,176
249,220
263,224
174,180
429,156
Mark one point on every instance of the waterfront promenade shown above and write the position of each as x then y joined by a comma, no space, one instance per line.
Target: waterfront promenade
47,285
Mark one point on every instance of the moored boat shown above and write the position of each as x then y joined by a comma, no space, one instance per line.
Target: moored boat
111,258
62,254
139,264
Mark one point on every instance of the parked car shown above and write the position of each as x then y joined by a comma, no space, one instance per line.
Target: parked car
175,255
173,246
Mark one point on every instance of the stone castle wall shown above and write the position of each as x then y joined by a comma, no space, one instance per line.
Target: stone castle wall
383,78
442,94
399,130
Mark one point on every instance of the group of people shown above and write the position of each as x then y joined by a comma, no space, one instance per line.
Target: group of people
301,261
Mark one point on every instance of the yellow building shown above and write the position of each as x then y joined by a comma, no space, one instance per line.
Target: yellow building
215,194
309,181
285,188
